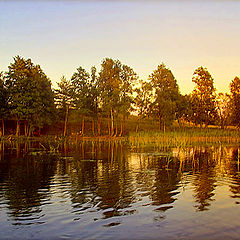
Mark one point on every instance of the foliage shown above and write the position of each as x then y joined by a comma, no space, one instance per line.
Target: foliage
105,99
223,104
30,95
83,91
165,95
203,97
143,99
3,98
115,84
63,98
235,100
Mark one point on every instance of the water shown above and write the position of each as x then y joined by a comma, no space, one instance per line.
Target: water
114,191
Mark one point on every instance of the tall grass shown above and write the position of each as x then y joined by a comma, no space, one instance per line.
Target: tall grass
184,137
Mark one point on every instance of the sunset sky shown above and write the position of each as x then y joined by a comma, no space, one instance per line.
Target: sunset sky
63,35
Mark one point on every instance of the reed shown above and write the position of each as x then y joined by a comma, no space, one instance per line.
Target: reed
184,138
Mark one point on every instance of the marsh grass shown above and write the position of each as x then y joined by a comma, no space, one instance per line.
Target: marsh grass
184,138
173,138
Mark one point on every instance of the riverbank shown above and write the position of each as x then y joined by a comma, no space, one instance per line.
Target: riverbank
178,137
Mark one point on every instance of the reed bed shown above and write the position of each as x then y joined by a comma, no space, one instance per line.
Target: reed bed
185,138
175,138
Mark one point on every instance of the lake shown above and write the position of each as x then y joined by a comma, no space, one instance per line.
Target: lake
113,190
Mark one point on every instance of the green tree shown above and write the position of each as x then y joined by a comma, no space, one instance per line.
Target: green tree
85,94
115,84
235,100
128,79
183,108
64,100
109,86
3,103
30,95
187,108
223,104
143,98
165,95
203,98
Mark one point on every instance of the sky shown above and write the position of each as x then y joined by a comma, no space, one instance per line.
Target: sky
62,35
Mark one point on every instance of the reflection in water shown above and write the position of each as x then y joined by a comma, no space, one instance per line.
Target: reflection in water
205,178
21,179
102,185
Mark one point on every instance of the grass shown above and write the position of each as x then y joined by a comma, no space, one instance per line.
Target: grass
185,137
177,137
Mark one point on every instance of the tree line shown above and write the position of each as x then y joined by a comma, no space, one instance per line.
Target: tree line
111,95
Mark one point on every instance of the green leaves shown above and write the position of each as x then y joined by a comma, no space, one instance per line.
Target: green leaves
165,95
203,98
30,93
235,100
115,83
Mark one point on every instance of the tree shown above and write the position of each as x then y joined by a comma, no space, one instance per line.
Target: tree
84,92
115,86
109,86
165,95
31,98
235,100
143,98
3,103
203,97
223,109
127,80
183,108
64,100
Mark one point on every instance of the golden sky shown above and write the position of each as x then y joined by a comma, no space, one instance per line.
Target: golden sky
63,35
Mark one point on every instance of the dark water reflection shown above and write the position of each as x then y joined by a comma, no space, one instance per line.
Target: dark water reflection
106,190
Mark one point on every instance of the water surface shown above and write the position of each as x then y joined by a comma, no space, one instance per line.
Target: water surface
113,191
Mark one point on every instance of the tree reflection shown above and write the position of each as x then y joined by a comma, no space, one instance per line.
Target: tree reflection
234,173
100,177
205,178
166,181
109,178
24,177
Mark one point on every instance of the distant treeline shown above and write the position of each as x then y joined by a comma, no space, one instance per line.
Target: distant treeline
110,96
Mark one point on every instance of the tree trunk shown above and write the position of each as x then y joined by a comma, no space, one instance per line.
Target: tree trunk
26,129
124,124
83,125
93,132
65,122
29,130
121,129
109,128
3,128
159,122
18,128
112,123
116,130
136,128
99,128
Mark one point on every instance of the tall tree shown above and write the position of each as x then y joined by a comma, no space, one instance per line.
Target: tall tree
3,103
203,97
84,92
64,100
30,95
128,79
115,86
235,100
143,98
223,104
109,86
165,95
